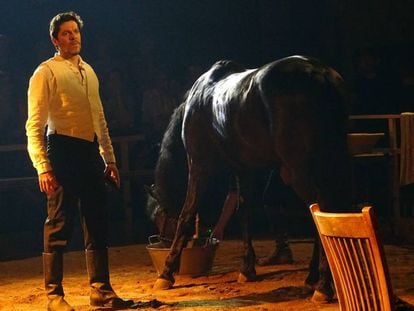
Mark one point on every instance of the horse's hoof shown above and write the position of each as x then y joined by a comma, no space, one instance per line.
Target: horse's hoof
243,278
310,285
312,281
280,256
162,284
319,297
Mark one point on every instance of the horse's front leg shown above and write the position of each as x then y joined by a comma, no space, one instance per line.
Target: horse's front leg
172,263
248,269
183,232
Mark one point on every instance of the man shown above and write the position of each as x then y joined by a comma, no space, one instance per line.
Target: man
63,94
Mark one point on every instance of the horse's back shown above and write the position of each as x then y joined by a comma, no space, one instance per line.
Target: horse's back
241,108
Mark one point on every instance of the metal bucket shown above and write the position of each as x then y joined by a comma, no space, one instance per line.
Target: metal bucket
195,260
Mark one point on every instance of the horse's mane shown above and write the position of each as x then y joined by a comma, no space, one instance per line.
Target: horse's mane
223,68
171,169
170,145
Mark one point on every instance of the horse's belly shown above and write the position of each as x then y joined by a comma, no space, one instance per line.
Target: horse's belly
250,154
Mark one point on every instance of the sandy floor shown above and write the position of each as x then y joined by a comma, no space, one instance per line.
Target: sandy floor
280,288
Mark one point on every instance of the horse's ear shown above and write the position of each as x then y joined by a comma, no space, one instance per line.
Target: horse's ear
149,190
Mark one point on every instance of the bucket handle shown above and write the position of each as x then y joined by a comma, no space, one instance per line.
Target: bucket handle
152,239
156,238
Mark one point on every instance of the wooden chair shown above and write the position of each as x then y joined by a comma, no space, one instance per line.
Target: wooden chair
356,258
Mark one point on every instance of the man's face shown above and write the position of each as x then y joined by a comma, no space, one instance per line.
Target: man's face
68,40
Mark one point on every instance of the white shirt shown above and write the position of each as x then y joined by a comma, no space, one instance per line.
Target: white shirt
66,99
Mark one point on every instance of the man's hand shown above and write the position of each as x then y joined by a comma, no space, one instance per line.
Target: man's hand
48,183
111,172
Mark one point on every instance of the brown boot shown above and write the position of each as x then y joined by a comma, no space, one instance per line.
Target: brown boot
102,294
53,273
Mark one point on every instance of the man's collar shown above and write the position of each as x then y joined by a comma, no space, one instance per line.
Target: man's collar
60,58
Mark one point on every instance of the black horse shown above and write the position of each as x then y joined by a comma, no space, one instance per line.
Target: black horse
166,196
289,115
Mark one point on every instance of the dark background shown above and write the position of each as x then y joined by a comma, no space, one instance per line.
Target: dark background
184,32
175,35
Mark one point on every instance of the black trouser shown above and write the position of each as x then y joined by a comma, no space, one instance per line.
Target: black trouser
78,168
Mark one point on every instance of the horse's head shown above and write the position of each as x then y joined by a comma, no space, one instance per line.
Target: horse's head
153,207
165,224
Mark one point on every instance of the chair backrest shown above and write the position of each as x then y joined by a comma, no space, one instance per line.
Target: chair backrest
356,258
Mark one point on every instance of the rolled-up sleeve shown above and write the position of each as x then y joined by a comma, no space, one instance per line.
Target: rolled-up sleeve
105,143
98,117
39,93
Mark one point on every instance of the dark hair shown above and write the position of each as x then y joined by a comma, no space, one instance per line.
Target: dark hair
59,19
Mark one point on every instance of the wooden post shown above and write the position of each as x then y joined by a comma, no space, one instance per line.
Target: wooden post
394,167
